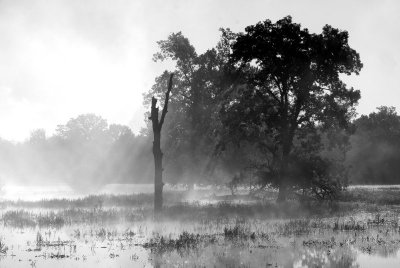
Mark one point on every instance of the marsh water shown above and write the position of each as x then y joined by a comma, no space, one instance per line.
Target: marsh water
121,236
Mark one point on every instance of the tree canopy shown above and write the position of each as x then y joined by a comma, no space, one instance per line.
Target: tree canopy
199,81
292,84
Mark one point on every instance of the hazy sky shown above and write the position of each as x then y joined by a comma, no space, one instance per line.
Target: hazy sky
59,59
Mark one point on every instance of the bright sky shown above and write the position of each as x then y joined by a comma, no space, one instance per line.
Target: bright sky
62,58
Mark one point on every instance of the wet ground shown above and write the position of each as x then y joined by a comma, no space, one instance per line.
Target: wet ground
126,236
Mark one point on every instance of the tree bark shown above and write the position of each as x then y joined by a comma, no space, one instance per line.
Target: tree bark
283,180
158,169
286,141
157,153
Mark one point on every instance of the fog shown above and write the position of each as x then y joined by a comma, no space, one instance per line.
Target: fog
193,133
64,59
225,133
85,153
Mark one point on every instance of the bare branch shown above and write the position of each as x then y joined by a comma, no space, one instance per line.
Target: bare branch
165,109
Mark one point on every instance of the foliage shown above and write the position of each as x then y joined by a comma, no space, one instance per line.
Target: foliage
266,107
375,156
85,152
292,91
198,85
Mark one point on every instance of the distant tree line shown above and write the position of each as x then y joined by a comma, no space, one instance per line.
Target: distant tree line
86,153
374,155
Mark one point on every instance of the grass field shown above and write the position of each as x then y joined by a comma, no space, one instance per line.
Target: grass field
361,229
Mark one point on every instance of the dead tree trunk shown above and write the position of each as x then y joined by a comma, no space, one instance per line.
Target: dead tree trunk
157,126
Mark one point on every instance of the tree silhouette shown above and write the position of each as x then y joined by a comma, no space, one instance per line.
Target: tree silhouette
158,155
293,83
199,80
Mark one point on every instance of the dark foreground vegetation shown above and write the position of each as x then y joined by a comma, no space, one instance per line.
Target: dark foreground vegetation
200,204
202,229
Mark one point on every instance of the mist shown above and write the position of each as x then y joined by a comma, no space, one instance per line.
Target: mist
199,133
85,153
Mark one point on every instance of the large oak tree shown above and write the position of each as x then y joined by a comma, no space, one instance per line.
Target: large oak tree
293,83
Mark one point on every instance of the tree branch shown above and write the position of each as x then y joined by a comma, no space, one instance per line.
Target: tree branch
278,85
273,95
302,120
165,109
185,96
295,115
187,78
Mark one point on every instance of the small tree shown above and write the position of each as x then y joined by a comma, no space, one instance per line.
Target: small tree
157,126
199,81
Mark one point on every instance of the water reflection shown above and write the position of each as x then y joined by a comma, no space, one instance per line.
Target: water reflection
110,247
224,255
340,258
